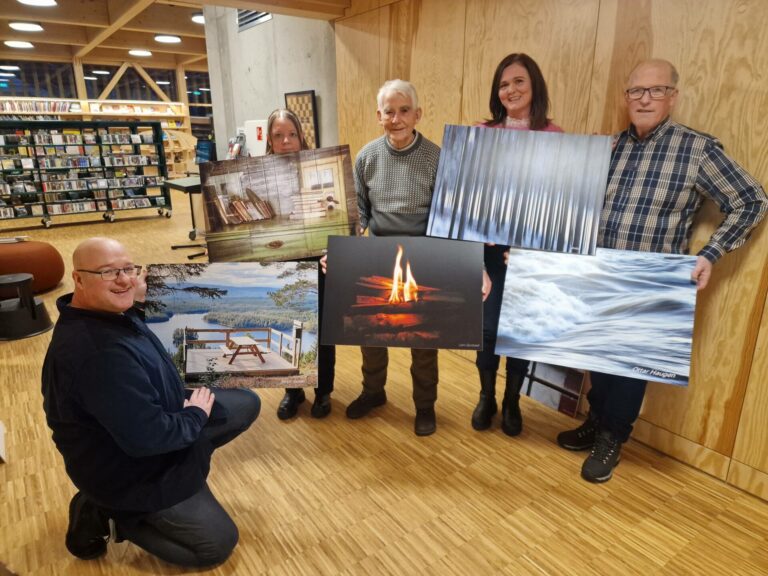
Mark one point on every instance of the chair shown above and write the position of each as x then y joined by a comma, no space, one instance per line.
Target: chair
23,316
40,259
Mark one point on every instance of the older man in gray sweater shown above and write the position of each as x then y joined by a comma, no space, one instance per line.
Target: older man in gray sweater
395,178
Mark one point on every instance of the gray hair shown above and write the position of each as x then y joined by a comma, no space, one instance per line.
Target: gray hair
397,86
659,62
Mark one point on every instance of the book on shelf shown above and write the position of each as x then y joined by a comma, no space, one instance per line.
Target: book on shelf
263,207
70,175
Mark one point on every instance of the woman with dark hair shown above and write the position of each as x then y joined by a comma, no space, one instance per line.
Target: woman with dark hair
284,135
519,101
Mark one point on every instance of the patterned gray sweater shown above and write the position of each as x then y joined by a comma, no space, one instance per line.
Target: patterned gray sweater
394,187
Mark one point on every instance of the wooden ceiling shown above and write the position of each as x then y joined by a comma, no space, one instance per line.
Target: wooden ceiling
102,31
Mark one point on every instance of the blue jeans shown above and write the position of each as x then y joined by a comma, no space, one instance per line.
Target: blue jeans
615,402
198,531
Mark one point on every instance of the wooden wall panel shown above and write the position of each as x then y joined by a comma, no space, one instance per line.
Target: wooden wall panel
397,24
749,479
424,43
358,78
558,34
417,40
752,439
437,65
719,60
359,6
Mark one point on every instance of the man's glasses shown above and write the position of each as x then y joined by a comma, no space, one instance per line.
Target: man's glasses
113,273
655,92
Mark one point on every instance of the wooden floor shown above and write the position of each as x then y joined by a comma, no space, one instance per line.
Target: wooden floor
336,496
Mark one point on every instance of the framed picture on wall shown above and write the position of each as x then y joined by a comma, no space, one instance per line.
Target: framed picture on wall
304,106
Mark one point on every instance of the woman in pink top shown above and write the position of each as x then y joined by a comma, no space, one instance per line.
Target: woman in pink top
519,101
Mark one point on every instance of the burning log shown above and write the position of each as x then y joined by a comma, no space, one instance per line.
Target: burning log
398,310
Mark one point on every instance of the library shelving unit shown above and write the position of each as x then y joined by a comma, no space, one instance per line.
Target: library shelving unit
174,115
179,153
174,119
53,168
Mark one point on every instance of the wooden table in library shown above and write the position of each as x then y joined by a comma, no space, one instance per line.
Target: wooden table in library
243,345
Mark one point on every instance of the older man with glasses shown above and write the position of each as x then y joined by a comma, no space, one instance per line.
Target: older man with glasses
660,174
135,444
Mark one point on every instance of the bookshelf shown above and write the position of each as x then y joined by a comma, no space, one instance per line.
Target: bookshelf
173,115
55,168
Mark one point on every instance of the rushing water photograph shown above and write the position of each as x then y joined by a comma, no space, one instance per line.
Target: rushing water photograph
618,312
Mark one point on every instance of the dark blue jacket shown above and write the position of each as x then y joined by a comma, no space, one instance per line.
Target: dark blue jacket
115,403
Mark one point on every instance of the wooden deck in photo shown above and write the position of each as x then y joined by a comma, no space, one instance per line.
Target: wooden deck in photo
243,365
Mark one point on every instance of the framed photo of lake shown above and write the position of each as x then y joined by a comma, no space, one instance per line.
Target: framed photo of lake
237,324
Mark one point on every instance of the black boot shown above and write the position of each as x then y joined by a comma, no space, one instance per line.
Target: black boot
511,418
289,405
486,407
88,530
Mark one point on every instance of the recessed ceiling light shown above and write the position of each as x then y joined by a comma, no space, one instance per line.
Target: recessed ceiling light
167,39
90,78
38,2
139,52
18,44
162,83
8,67
198,18
7,74
26,26
100,72
205,89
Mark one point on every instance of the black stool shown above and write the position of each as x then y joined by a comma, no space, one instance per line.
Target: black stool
23,316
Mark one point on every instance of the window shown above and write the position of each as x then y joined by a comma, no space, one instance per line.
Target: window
250,18
38,80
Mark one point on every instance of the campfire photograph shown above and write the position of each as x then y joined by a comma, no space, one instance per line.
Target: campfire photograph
237,324
526,189
404,291
278,207
618,312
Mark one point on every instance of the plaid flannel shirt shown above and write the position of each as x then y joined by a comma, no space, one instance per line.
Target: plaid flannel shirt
656,185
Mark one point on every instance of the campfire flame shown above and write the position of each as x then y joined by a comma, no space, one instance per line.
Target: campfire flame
407,291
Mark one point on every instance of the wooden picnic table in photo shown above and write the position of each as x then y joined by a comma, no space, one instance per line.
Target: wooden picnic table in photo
243,345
